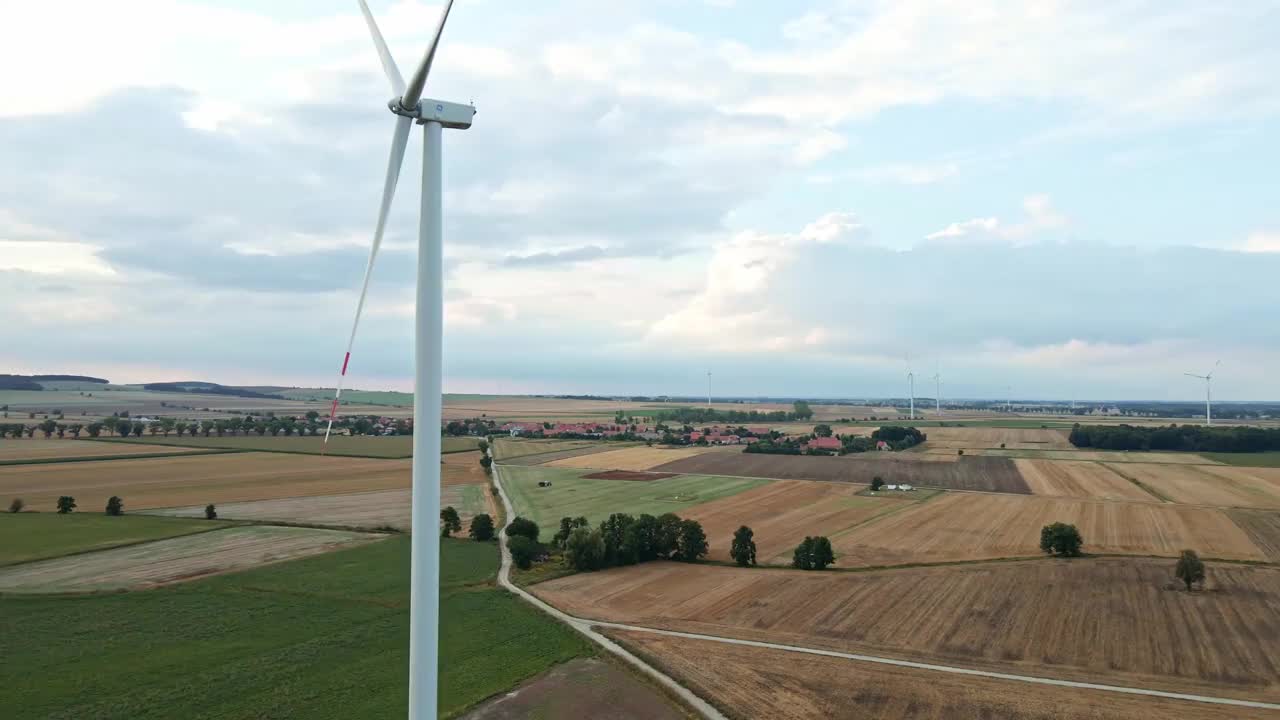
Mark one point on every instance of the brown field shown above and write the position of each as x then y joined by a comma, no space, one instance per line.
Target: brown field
1221,485
634,458
1263,528
173,481
548,457
183,558
368,510
582,688
988,437
1173,458
781,513
958,473
637,475
1064,478
36,449
507,448
748,682
1114,620
974,526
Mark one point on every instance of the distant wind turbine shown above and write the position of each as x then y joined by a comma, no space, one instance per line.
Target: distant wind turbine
708,389
937,391
408,106
1208,391
911,387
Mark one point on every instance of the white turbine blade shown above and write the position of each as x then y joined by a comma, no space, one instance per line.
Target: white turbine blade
388,62
399,139
413,93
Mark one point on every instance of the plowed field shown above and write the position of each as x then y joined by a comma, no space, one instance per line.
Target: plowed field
969,526
956,473
1063,478
1221,485
173,481
1263,528
632,458
782,513
1119,621
34,449
989,437
747,682
184,558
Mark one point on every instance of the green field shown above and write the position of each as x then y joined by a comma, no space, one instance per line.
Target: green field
393,446
572,495
353,397
324,637
1258,459
507,448
34,536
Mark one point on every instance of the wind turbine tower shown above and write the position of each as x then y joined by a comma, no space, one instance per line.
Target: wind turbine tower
708,389
937,392
911,388
1208,392
408,106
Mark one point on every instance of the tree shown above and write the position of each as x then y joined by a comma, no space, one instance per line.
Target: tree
584,550
486,461
693,541
138,428
822,430
483,446
802,557
667,539
642,538
567,526
801,410
95,429
1190,569
876,483
47,427
814,553
17,505
210,512
615,533
743,550
1062,539
115,506
481,528
450,523
66,504
523,526
522,550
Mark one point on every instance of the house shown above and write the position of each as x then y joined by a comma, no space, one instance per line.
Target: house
825,443
694,436
882,445
891,487
749,440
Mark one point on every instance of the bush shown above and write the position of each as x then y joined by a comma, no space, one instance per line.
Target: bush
523,526
481,528
960,452
17,505
66,504
210,512
522,551
584,550
115,506
876,483
1062,539
450,523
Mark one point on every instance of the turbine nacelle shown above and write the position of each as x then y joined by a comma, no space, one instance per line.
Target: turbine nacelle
449,114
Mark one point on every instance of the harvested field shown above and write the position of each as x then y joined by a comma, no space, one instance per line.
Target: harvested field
1064,478
173,481
1115,620
573,495
355,510
1119,456
992,437
546,458
11,450
581,688
1221,485
973,526
183,558
634,458
957,473
628,475
391,446
747,682
36,536
507,448
1263,528
783,512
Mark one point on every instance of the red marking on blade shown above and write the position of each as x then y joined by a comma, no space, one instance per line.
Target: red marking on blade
345,360
333,410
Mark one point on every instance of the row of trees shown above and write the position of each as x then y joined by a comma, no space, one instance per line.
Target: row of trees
123,426
1198,438
623,539
800,410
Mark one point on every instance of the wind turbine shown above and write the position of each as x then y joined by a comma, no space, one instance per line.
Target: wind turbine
708,389
1208,391
937,390
911,385
408,105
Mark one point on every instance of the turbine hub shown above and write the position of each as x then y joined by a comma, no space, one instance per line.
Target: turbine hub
449,114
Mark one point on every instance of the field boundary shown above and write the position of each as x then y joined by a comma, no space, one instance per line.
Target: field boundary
1145,487
90,551
196,452
232,448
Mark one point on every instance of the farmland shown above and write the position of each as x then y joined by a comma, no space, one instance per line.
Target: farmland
989,437
172,481
324,637
182,558
632,458
366,510
32,536
508,448
1118,456
747,682
14,451
957,473
1263,528
572,495
1037,617
783,512
393,446
1065,478
1224,486
971,526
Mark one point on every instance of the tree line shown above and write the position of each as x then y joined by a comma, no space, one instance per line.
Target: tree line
800,410
1195,438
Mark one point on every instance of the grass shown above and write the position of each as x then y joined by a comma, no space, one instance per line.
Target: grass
393,446
350,397
572,495
1258,459
324,637
36,536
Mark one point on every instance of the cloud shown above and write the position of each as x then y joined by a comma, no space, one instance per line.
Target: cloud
1041,217
1261,242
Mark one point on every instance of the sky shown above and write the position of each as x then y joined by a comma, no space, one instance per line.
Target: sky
1048,199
